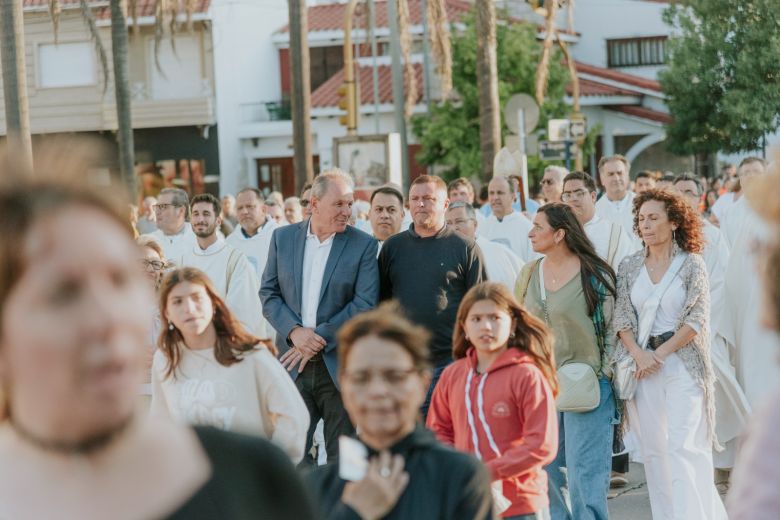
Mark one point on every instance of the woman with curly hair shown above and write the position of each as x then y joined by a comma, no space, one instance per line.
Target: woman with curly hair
662,320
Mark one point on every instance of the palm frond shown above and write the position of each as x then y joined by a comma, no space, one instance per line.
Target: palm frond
132,10
189,8
55,9
89,19
543,69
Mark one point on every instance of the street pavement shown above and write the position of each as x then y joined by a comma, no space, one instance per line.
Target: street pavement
631,502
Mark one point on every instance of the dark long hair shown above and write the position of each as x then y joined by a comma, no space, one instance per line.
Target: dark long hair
592,266
531,335
232,339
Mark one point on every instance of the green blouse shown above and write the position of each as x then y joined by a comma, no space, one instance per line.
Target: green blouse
575,336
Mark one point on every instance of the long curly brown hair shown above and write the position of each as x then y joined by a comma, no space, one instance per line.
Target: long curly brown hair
233,341
531,334
688,235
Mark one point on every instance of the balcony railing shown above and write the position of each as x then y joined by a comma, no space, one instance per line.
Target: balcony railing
264,112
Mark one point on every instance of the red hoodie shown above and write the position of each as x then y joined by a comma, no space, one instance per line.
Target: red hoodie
518,406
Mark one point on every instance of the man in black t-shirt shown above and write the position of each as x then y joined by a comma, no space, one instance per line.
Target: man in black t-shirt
429,268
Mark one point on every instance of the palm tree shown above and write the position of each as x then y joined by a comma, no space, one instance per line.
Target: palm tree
487,85
17,118
119,51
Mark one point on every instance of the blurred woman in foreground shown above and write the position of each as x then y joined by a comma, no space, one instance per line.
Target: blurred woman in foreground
73,313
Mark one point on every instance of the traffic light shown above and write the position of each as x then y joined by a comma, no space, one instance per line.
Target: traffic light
540,6
349,102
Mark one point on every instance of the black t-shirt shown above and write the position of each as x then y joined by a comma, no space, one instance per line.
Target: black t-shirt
251,479
429,277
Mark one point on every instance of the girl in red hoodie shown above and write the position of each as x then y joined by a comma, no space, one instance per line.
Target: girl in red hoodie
497,400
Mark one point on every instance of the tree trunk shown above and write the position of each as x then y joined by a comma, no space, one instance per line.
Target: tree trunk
124,135
301,93
17,117
487,83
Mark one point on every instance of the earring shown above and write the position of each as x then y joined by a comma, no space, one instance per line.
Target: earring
170,326
512,335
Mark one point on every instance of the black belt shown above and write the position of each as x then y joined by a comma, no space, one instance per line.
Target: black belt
654,342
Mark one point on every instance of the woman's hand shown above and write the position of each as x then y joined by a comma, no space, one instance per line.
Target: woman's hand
647,364
376,495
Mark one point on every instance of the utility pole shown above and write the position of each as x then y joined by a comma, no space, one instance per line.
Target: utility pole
124,136
17,114
398,87
300,96
487,85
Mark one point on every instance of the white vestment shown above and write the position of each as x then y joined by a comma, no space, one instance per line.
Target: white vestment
512,231
756,348
256,250
722,205
501,264
731,405
178,245
235,280
600,234
620,212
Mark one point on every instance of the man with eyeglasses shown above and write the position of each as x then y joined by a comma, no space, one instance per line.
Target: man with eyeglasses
608,238
174,232
306,200
617,204
507,226
552,183
429,268
501,264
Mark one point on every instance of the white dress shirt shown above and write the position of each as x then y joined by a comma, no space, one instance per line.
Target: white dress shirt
315,256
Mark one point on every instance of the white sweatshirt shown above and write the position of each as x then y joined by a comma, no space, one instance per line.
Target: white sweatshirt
255,396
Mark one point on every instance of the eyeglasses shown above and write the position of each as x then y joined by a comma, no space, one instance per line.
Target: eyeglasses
304,203
152,265
390,377
163,206
566,196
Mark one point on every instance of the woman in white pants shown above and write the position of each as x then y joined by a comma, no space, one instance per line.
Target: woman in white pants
662,320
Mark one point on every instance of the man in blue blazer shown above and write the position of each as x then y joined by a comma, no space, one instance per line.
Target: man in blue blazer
320,273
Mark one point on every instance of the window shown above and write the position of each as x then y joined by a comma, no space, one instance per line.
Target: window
66,65
636,52
324,63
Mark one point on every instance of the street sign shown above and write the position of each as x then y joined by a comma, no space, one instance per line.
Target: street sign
578,127
557,150
530,110
558,129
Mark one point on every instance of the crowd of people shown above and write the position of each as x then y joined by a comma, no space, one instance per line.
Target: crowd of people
415,355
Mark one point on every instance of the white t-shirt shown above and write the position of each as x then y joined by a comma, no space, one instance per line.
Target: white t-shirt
255,396
672,302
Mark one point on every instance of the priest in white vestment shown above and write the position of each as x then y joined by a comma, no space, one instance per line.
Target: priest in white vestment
608,238
731,405
501,264
233,276
505,225
173,232
617,203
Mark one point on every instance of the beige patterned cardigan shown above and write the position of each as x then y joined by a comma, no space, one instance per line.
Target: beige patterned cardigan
695,355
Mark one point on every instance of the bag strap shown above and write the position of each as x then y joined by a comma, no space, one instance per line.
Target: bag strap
650,307
614,240
521,288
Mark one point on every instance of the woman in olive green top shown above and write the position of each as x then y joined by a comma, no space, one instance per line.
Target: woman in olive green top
573,290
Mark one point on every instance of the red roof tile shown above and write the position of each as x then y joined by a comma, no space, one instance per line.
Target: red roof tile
326,95
643,112
621,77
594,88
330,17
145,7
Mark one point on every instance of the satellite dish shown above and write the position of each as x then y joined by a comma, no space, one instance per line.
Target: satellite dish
531,110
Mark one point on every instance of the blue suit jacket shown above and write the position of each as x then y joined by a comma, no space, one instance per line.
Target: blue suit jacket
350,285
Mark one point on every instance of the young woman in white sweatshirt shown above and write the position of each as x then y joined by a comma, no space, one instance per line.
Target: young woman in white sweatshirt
209,370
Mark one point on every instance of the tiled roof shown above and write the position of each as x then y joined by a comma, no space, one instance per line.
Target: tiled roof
643,112
617,76
326,95
330,17
594,88
145,7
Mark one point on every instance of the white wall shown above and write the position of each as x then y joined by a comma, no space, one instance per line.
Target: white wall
246,70
600,20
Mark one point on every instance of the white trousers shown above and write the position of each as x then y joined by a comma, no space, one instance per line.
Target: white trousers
670,421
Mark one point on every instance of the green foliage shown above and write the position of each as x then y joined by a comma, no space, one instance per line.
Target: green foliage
450,134
723,79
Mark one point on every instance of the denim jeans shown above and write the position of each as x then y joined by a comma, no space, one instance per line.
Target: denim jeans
437,370
585,450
